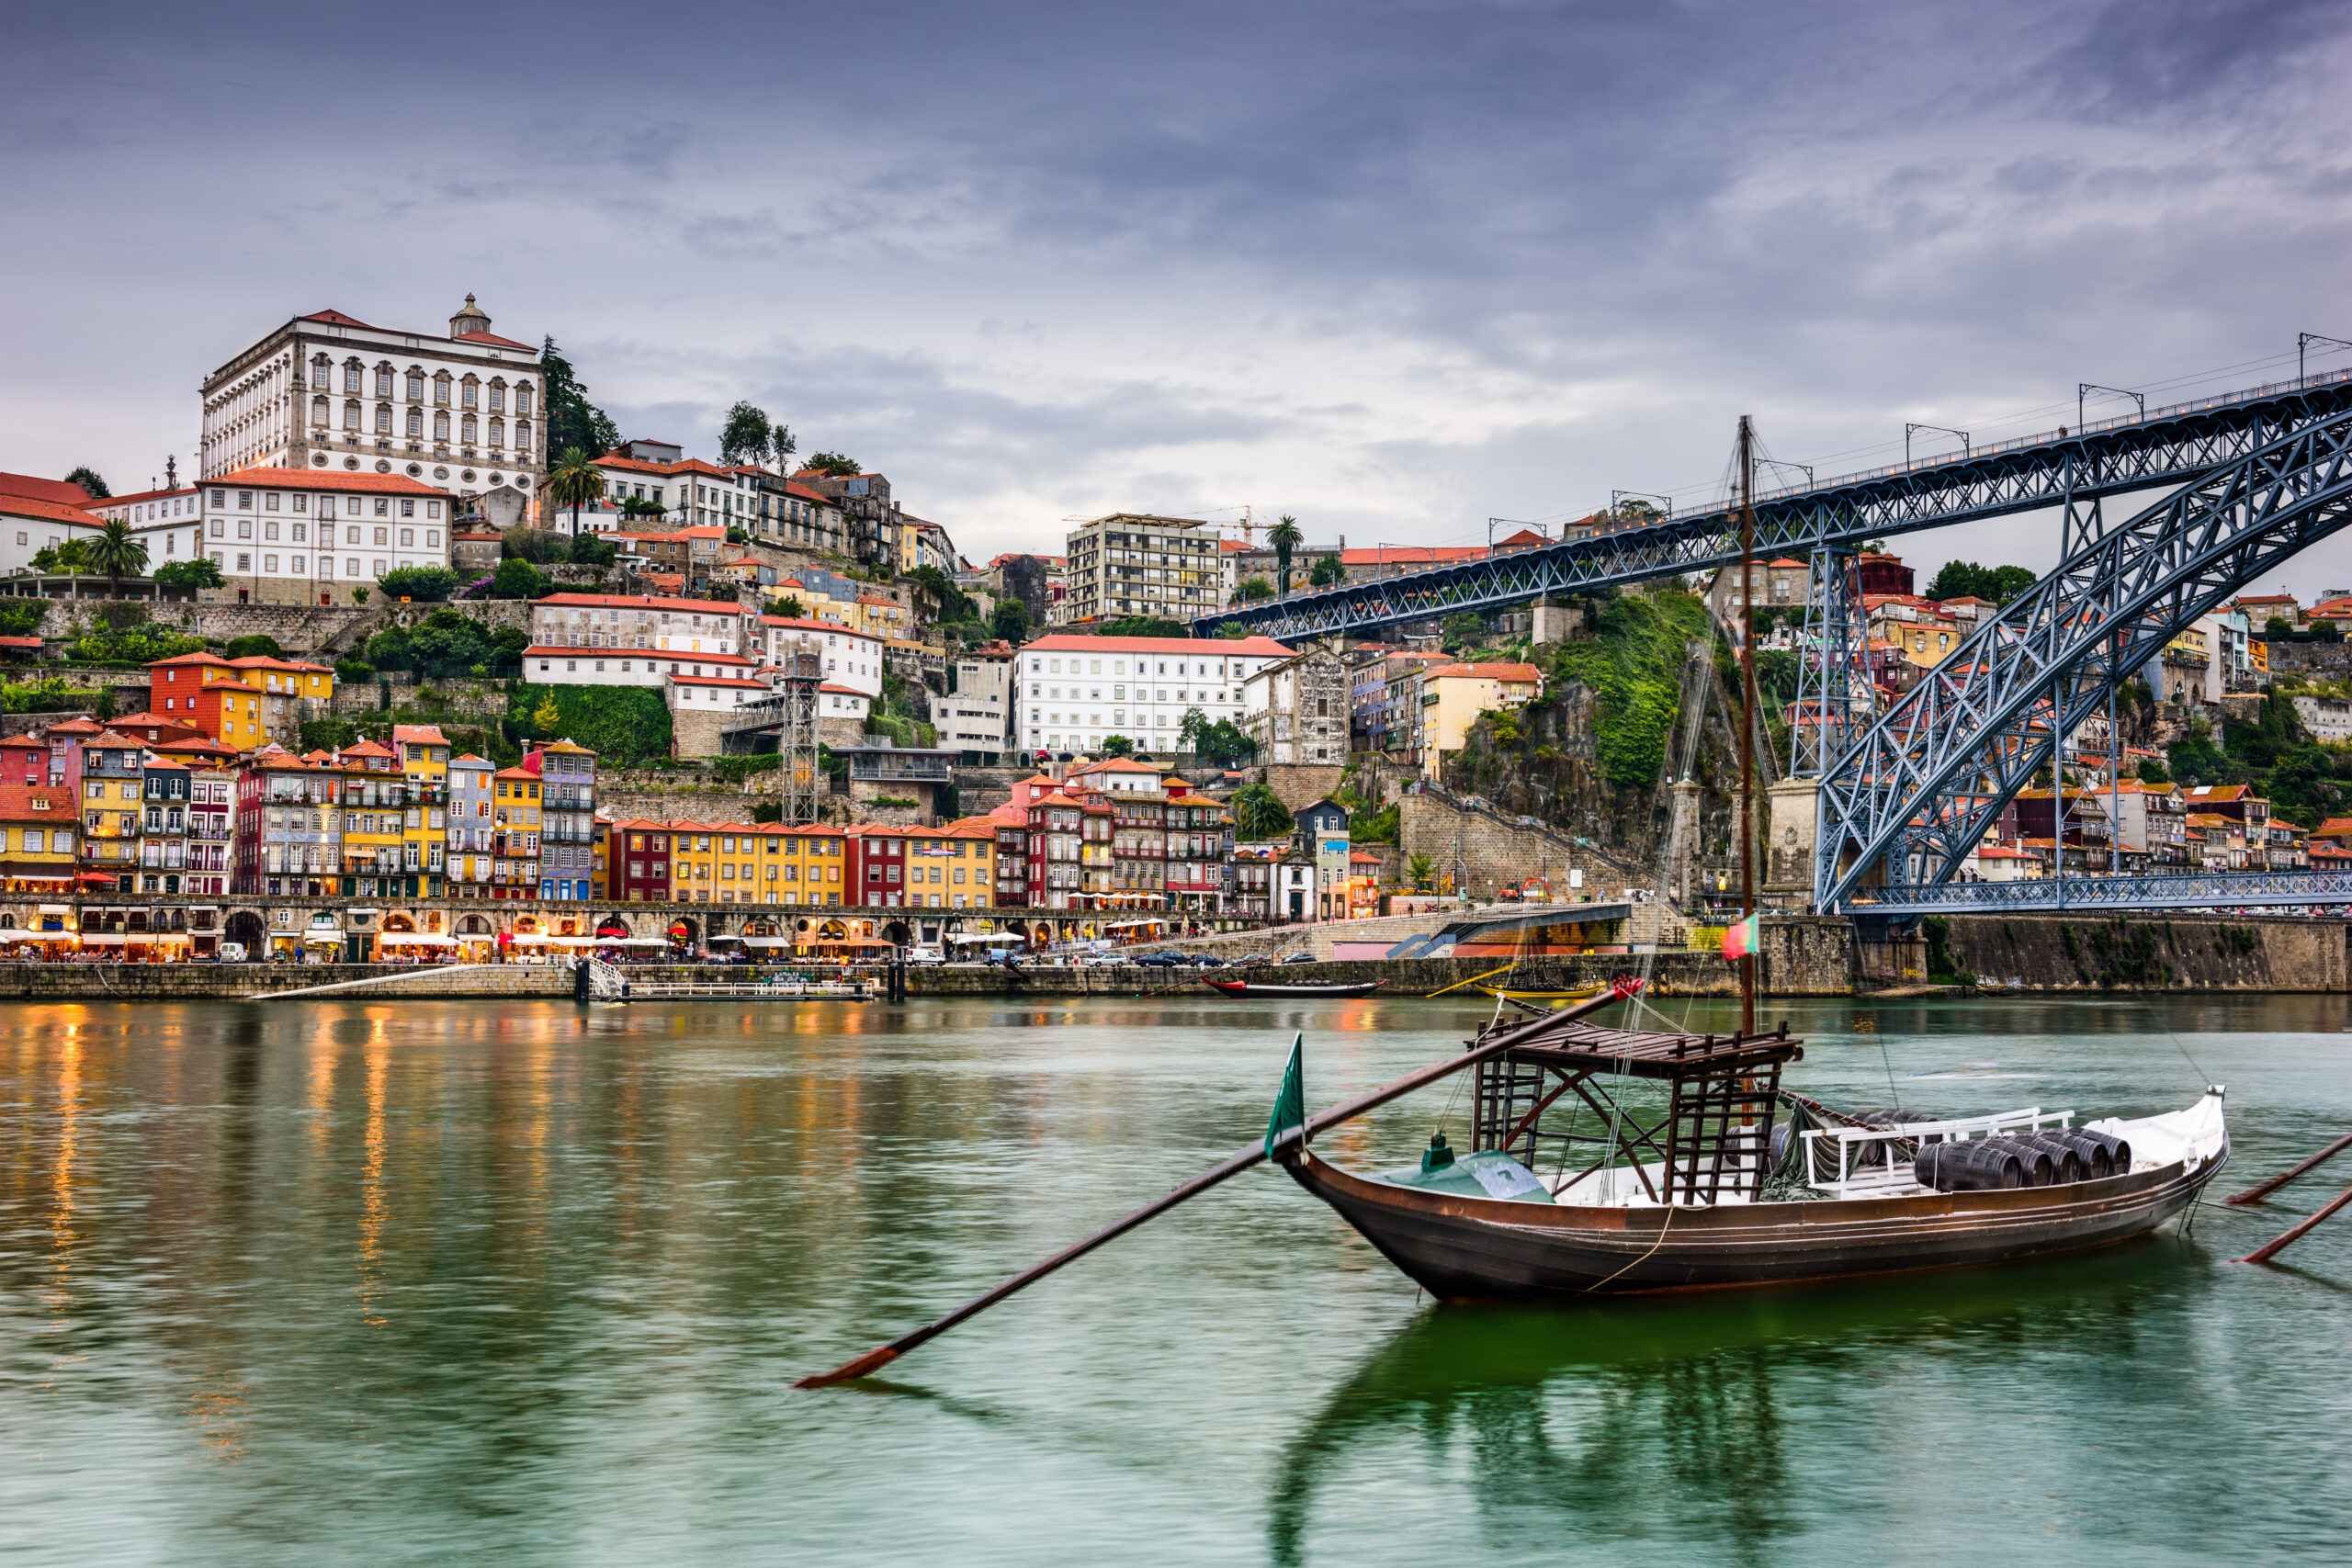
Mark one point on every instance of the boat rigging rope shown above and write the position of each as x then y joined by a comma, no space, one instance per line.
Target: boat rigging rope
1645,1258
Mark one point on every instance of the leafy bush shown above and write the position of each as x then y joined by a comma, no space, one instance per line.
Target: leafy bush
198,573
625,726
354,672
257,645
424,584
1634,667
1259,813
518,579
134,645
22,617
1118,746
52,695
592,549
326,734
446,644
889,800
525,543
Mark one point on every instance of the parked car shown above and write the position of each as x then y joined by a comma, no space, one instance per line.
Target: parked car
1207,961
925,956
233,952
1101,961
1300,958
1163,960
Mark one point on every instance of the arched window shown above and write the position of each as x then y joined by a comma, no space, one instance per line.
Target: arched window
522,397
383,419
469,428
416,422
441,424
319,415
441,389
497,432
521,437
351,415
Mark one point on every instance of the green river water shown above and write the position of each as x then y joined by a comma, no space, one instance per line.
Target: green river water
520,1284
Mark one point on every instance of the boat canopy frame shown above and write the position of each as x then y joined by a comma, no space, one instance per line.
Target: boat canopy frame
1713,1141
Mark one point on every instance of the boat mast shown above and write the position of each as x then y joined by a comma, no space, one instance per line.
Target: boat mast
1746,712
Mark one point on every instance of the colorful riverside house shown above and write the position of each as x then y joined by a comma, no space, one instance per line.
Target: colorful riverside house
288,826
637,861
471,834
515,841
423,753
211,827
376,847
37,841
110,774
567,774
693,861
814,869
164,828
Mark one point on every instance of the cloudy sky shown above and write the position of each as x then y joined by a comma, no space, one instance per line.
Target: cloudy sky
1394,268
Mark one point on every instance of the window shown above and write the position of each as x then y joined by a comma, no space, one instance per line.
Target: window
380,569
416,422
245,563
441,389
270,563
351,376
383,535
351,415
471,393
522,400
468,434
295,566
441,426
498,397
498,433
383,509
319,415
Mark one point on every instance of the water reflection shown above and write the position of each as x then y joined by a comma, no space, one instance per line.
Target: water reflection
1623,1420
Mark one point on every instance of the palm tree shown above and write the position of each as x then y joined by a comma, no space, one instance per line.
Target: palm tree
117,554
573,481
1284,536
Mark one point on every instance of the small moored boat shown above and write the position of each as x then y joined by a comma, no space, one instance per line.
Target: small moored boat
1305,988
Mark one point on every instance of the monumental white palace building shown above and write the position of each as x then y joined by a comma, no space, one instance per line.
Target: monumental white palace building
461,412
1071,691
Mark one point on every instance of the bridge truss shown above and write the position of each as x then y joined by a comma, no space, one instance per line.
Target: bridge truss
1919,786
2167,447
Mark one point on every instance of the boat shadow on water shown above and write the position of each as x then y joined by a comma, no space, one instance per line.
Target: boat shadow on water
1685,1392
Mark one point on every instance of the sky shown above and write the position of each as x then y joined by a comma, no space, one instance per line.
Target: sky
1395,269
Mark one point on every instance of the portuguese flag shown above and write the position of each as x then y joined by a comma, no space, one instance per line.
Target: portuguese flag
1740,940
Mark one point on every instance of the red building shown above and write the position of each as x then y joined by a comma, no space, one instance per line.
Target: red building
637,861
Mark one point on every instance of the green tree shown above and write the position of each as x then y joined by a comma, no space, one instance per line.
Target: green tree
781,447
638,506
2324,630
1250,590
574,482
389,649
1285,536
2277,626
833,463
198,573
258,646
422,584
354,672
1118,746
736,535
510,641
547,717
1259,814
1233,631
117,554
1329,572
359,595
745,437
571,420
788,607
592,549
519,580
522,542
92,486
1421,872
1010,621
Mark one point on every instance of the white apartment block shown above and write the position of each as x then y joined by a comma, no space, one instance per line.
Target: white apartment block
458,411
302,537
975,715
549,665
28,525
1133,564
1072,691
853,660
640,622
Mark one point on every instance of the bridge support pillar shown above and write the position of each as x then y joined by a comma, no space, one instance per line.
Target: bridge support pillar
1682,836
1555,620
1793,813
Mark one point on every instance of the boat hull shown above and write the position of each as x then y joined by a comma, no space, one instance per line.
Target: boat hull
1259,989
1470,1249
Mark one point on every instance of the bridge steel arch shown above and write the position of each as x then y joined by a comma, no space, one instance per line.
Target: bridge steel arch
1926,778
2171,445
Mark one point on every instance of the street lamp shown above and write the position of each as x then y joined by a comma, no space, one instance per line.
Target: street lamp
2303,341
1617,495
1805,468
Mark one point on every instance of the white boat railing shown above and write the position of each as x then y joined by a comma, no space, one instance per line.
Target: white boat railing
1859,1173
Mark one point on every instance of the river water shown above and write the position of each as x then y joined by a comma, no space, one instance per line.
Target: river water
516,1282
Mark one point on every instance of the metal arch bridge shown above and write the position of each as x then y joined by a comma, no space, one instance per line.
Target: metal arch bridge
2166,446
1923,781
2218,891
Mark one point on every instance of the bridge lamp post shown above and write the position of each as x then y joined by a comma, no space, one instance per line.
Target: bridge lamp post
1910,430
2083,388
1616,496
1805,468
2303,342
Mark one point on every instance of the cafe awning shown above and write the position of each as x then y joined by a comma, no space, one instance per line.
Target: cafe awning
416,939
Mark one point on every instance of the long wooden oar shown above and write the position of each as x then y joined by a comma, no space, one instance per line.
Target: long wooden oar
1233,1165
2272,1247
2256,1194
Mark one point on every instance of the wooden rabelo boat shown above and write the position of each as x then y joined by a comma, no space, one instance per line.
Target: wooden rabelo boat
1303,988
1737,1181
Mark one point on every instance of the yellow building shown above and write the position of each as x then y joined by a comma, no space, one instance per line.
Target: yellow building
425,759
1452,699
885,618
515,831
808,868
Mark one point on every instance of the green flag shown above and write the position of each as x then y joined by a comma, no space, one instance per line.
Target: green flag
1289,1105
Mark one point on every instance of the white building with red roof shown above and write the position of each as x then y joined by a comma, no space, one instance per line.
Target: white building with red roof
307,535
460,411
853,659
642,622
1069,692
